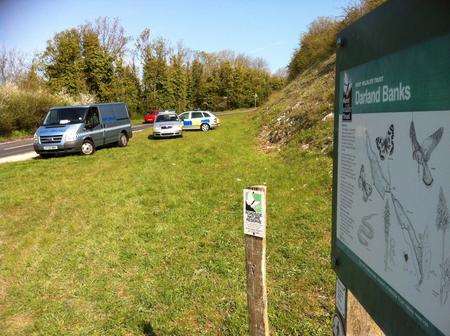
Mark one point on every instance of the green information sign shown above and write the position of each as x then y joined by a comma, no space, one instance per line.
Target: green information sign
391,198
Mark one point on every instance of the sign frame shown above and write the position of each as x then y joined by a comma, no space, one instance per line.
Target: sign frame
390,28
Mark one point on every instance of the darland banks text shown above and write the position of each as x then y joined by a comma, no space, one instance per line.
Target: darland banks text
383,94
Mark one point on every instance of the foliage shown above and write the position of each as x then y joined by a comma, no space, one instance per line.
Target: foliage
125,87
142,250
23,109
63,63
97,66
179,79
318,43
93,60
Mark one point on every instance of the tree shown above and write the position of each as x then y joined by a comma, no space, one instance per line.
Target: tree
12,65
177,80
111,36
30,80
97,66
63,63
91,59
125,87
196,83
153,55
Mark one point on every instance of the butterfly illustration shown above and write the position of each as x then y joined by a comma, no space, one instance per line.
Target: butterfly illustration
422,152
385,145
364,185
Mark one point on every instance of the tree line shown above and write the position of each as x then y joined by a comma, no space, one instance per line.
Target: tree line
96,59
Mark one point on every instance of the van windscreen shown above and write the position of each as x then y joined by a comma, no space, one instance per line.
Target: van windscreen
64,116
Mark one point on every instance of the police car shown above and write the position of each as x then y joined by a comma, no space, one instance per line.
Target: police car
203,120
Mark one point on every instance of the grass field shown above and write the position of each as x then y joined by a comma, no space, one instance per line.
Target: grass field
148,239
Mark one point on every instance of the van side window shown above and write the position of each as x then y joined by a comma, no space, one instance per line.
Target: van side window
206,115
92,118
184,116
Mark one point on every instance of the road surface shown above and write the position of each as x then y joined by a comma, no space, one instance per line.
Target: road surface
18,150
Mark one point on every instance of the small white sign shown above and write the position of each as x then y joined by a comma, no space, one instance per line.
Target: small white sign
255,212
341,298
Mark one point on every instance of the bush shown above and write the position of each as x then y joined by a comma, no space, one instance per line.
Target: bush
319,42
315,46
23,110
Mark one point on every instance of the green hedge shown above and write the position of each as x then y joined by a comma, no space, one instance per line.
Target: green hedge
23,110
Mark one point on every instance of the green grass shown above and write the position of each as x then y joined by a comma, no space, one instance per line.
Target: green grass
148,239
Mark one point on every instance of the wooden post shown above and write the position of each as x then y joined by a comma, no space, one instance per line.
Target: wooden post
255,258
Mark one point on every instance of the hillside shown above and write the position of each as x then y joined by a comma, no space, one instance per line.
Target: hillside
297,114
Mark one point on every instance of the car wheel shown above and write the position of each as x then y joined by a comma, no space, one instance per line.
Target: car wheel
205,127
87,148
123,140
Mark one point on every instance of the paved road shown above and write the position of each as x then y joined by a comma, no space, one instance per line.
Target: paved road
18,147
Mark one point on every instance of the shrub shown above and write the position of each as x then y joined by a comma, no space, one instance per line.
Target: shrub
315,46
319,42
22,109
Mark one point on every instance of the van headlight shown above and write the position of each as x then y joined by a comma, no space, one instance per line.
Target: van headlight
35,138
70,136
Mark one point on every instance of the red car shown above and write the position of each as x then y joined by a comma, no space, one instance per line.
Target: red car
150,117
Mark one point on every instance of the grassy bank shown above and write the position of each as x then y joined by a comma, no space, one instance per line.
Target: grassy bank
147,240
295,114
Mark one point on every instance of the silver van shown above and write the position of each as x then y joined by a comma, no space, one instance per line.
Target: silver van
80,129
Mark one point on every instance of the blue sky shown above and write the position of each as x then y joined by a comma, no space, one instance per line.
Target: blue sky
267,28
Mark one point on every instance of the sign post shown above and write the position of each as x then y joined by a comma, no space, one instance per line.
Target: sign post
255,219
391,177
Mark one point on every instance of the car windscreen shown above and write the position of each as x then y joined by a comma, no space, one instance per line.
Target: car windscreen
64,116
166,117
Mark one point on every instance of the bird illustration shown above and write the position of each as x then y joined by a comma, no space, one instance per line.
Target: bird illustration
422,152
251,203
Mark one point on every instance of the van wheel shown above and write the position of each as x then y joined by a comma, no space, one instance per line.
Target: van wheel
205,127
87,148
123,140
